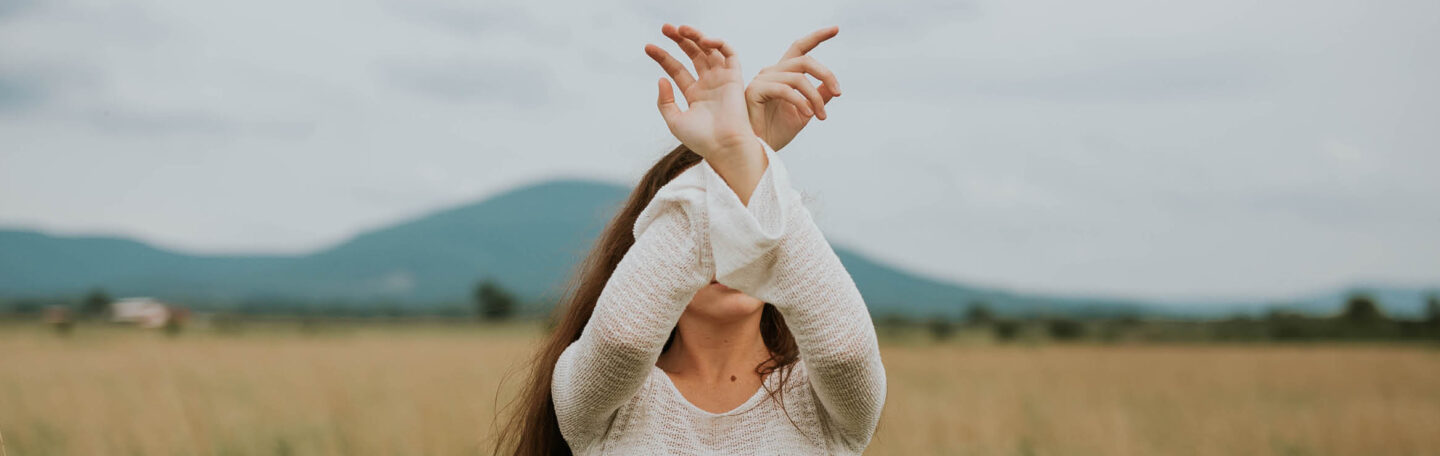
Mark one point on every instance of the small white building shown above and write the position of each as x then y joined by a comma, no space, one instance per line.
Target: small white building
143,312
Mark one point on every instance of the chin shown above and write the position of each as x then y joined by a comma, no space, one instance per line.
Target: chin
722,303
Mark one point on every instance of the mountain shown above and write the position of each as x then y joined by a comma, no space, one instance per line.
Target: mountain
528,239
38,264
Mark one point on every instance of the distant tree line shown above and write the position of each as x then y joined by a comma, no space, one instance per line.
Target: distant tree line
1361,318
488,300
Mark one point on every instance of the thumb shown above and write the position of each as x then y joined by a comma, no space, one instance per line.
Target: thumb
666,102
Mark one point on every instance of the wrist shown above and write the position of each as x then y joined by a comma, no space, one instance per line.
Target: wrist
769,139
764,131
729,147
741,166
738,158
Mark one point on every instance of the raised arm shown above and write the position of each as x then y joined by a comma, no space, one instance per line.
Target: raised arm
794,268
695,224
763,240
633,316
832,328
671,257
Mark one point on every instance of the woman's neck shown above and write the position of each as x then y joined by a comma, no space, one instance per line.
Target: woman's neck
715,351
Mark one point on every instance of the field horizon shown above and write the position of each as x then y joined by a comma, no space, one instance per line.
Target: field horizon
435,389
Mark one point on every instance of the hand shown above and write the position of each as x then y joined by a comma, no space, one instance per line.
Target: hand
781,99
715,125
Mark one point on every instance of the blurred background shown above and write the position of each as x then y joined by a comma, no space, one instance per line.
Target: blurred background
1113,227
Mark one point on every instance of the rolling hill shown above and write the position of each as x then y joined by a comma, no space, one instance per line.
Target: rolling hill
528,239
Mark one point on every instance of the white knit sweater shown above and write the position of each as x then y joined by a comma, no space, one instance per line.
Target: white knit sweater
610,397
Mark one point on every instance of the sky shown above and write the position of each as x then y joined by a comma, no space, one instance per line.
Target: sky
1147,149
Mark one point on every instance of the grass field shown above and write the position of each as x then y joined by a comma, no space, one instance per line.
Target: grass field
433,390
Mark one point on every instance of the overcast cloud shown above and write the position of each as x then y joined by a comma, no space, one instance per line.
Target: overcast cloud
1120,147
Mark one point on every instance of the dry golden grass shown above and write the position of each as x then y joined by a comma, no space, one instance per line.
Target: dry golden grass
1200,400
433,390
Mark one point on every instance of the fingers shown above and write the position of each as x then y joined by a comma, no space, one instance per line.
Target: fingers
666,102
718,44
808,42
690,48
808,65
771,90
798,82
826,93
711,51
673,67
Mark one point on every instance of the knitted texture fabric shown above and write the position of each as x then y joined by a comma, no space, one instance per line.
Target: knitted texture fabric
609,396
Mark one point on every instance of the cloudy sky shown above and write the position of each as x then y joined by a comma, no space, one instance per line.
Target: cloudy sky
1224,148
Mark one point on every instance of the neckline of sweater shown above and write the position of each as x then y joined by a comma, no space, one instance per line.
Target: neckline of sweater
675,394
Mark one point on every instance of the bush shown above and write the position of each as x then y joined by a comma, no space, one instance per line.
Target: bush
1007,330
979,314
1361,310
96,302
942,328
1066,329
493,302
1432,309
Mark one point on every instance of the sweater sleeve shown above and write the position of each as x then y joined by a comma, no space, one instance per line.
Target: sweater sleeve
633,316
795,268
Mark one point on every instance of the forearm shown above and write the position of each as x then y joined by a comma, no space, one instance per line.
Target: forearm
832,328
633,316
741,166
773,250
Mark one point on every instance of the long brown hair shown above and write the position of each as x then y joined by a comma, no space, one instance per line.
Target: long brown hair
533,429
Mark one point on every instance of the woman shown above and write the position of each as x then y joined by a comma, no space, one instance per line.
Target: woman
712,316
